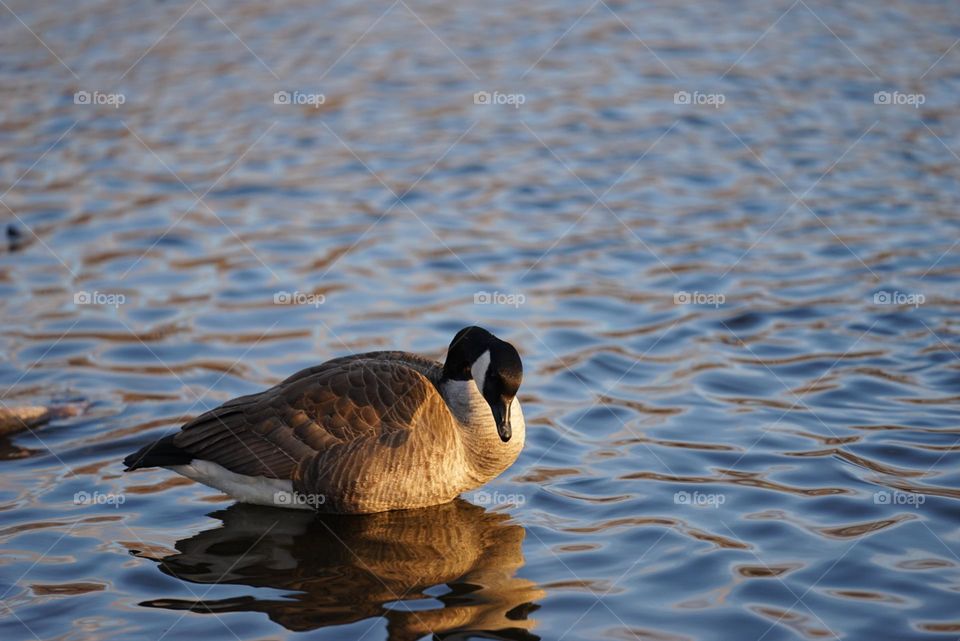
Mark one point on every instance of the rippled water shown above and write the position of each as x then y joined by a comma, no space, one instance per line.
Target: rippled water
775,459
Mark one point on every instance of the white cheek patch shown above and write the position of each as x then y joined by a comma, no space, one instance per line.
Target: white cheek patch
479,369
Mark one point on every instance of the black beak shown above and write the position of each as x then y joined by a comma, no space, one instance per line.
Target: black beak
501,416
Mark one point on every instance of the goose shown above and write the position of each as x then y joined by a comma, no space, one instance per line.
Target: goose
360,434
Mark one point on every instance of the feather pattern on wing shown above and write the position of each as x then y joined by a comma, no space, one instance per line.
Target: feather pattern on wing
341,401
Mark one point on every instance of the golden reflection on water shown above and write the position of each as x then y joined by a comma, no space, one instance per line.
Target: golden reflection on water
336,570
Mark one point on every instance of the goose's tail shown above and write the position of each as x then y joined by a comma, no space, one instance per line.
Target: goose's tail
161,453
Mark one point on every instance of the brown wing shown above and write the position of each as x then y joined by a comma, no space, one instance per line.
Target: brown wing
270,433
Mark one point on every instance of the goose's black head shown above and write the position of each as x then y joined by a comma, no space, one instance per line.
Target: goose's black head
476,354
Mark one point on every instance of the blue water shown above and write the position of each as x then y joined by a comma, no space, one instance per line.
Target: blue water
723,236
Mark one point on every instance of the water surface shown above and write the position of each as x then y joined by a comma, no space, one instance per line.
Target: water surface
730,268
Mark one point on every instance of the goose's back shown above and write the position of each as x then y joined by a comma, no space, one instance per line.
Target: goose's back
337,406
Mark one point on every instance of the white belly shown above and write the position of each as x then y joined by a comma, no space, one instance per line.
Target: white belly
258,490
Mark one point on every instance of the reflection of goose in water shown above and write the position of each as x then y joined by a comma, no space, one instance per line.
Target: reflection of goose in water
343,569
